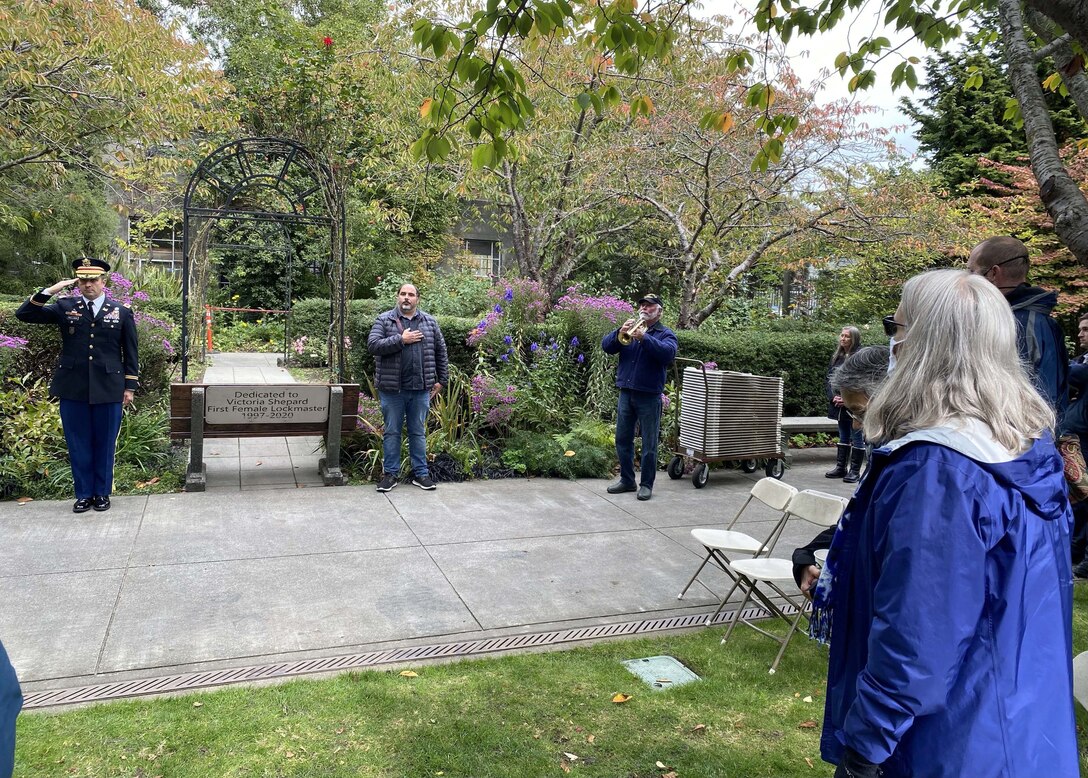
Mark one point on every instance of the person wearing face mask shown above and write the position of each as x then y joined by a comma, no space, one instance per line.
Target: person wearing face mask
856,381
851,446
947,591
96,376
411,367
646,348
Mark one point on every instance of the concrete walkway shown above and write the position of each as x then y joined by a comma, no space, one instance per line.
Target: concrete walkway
249,573
257,463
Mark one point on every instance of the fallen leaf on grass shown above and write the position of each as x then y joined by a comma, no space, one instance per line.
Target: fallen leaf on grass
809,762
669,774
198,705
807,725
568,453
290,754
409,674
24,500
590,738
620,698
661,766
144,484
699,729
570,756
807,699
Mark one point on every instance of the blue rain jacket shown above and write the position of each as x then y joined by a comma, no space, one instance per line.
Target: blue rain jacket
11,701
951,641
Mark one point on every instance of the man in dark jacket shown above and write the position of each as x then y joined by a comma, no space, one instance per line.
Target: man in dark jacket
412,367
1003,261
644,360
97,374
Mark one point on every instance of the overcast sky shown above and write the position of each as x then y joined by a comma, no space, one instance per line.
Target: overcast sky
812,54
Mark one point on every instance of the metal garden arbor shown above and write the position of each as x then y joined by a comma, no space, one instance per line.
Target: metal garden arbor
268,185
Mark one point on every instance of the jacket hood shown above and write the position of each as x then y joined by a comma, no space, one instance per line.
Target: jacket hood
1032,298
1037,474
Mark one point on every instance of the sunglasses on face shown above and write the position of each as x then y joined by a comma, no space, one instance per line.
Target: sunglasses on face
891,326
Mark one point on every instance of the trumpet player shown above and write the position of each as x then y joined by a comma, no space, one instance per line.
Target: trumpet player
646,349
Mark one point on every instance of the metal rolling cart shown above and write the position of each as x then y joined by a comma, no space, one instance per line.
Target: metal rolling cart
727,417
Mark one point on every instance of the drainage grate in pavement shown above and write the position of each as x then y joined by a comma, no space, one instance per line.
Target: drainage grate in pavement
203,680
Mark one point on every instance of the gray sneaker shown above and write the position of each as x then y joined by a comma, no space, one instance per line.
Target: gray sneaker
388,483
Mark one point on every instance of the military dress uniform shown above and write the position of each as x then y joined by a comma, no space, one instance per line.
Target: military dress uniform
98,363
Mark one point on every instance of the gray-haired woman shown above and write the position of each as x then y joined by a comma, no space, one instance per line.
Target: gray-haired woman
947,592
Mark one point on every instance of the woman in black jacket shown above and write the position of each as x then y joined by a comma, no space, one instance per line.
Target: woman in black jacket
851,445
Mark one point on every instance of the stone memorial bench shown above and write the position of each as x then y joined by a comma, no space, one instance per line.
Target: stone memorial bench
199,411
793,425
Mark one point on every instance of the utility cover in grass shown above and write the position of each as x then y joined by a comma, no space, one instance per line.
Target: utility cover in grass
661,672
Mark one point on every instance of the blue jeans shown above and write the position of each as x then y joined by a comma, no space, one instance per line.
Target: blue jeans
395,407
847,433
645,408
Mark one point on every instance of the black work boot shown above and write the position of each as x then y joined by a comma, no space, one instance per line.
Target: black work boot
857,457
840,462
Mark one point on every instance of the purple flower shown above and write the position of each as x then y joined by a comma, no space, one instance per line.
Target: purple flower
534,347
508,340
509,294
11,341
581,358
504,357
574,342
498,308
710,365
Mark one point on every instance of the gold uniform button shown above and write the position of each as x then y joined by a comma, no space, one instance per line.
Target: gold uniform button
90,357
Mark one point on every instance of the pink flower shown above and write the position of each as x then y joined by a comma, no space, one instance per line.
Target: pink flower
327,42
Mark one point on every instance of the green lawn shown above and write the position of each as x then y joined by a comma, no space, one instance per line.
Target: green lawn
519,716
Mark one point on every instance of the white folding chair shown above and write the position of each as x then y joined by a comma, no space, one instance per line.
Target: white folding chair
721,543
1080,679
819,508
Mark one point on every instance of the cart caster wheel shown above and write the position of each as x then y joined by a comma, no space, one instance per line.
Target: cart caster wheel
700,475
748,465
776,468
676,468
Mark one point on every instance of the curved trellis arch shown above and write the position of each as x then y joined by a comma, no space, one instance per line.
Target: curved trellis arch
242,182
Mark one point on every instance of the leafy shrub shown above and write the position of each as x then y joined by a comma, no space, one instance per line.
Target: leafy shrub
33,454
565,456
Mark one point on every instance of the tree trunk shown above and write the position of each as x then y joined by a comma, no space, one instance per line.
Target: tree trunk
1071,15
1061,196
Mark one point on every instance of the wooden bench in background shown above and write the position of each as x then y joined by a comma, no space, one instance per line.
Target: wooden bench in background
334,412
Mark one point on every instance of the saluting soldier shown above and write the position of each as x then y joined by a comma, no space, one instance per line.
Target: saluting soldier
97,374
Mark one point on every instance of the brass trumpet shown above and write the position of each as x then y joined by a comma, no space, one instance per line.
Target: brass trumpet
640,325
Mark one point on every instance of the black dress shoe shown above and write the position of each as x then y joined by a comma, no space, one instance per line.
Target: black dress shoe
83,504
645,492
620,487
102,503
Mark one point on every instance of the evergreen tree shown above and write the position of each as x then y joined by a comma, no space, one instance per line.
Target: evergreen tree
960,124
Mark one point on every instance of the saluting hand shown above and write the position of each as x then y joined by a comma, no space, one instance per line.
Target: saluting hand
58,286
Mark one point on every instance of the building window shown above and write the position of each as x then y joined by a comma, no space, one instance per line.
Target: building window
487,255
163,247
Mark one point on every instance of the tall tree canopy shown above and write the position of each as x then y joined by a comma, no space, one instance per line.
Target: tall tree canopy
100,86
485,85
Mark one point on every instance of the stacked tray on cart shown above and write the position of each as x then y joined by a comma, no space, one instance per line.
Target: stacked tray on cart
729,415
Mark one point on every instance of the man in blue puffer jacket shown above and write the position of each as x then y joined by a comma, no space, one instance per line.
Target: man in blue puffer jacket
412,366
641,379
